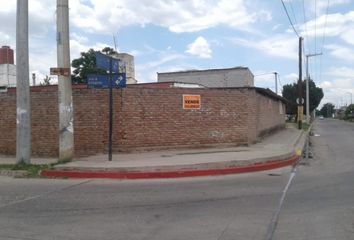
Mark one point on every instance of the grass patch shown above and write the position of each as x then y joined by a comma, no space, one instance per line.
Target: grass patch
305,126
32,170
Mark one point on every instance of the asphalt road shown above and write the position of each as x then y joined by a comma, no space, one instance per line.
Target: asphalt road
319,203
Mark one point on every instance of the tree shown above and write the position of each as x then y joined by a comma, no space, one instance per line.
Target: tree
349,112
290,92
327,110
86,65
46,81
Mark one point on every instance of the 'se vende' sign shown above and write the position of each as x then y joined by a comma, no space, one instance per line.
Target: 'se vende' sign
191,101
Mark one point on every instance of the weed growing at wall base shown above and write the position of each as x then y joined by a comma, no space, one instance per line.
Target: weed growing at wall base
31,170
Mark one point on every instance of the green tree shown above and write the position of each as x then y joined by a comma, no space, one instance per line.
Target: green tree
46,81
86,64
290,92
349,112
327,110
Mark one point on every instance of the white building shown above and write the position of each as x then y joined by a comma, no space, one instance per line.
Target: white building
212,78
126,64
7,75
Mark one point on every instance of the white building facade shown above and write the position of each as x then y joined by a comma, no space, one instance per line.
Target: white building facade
7,75
211,78
126,64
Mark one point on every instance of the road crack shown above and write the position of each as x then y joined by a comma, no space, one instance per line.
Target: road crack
43,194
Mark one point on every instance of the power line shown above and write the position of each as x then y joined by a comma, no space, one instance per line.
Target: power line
323,38
305,22
325,26
281,85
315,25
293,12
287,14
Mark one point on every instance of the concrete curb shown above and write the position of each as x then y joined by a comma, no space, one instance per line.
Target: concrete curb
171,174
192,170
13,173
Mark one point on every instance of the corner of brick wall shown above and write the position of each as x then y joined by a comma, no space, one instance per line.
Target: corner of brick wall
143,118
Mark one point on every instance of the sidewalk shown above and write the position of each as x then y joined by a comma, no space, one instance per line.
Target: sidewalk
36,161
277,150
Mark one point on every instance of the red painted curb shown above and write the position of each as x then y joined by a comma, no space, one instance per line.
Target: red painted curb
169,174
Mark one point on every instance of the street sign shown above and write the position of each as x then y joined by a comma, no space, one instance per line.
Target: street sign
302,101
60,71
112,79
102,81
102,62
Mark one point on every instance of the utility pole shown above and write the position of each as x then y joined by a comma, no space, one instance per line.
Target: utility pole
300,108
351,97
23,99
33,79
66,126
308,86
276,82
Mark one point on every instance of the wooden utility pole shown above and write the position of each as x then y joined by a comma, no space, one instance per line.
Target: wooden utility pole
23,100
300,107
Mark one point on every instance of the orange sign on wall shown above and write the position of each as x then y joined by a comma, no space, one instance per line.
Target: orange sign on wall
191,101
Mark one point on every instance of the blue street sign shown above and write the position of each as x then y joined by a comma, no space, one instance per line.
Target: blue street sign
102,81
102,62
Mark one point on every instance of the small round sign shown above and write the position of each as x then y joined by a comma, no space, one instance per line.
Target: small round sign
302,101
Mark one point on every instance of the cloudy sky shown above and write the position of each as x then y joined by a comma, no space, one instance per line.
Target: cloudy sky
169,35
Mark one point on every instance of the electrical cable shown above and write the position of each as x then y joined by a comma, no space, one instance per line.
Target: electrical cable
281,85
323,39
315,72
315,26
305,23
293,12
325,26
287,14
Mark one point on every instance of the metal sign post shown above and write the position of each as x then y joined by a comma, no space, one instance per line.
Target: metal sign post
110,111
113,79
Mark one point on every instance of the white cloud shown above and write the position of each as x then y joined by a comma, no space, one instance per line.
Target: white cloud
326,85
341,72
341,52
284,46
167,60
337,90
163,60
334,25
200,48
348,36
177,16
320,6
290,78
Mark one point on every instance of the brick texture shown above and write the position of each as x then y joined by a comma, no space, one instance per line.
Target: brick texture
143,118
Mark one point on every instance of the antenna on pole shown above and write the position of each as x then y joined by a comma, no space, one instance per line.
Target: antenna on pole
115,43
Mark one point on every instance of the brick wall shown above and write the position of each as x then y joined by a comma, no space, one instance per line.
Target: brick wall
7,123
44,122
269,117
143,118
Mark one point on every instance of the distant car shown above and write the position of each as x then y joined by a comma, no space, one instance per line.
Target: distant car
321,117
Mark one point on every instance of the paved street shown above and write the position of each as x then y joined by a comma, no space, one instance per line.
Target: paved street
319,204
